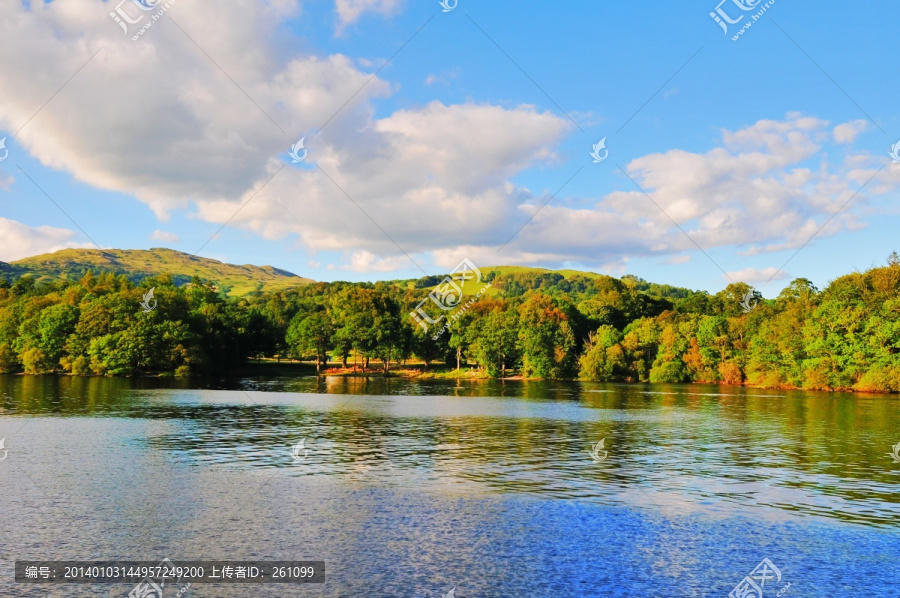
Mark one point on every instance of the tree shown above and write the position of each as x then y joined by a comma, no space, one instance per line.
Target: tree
545,339
425,346
56,323
640,346
388,329
311,335
730,302
715,346
669,366
368,322
493,340
604,359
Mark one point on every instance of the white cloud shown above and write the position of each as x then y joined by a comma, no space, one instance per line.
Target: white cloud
349,11
764,189
164,236
430,178
757,276
847,132
757,190
158,120
364,261
444,77
19,240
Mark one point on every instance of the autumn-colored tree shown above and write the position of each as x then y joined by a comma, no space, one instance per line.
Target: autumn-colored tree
545,339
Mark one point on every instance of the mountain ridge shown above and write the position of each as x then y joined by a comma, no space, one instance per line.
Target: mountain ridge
137,264
238,280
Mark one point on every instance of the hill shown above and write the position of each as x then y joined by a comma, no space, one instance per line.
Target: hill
515,281
137,264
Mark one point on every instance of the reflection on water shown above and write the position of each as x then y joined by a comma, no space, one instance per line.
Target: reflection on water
676,452
813,454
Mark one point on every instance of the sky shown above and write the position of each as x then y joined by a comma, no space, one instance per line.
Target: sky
433,133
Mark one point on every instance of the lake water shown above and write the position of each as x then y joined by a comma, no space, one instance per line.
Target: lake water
412,488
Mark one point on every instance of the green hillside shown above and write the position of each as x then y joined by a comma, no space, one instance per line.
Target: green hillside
529,270
137,264
515,281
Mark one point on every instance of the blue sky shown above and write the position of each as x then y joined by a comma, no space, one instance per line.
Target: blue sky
744,148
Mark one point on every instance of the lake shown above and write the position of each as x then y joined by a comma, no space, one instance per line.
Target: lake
411,488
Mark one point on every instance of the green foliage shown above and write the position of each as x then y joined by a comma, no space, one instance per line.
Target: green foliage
96,326
311,335
538,323
493,339
604,358
546,339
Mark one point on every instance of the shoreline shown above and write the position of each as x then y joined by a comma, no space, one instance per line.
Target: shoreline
307,369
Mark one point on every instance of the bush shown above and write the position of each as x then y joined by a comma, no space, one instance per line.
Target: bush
817,377
670,372
731,373
35,362
8,362
883,379
768,379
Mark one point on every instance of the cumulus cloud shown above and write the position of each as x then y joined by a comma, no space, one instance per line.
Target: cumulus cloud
157,119
19,240
764,188
849,131
758,276
164,236
427,178
364,261
348,11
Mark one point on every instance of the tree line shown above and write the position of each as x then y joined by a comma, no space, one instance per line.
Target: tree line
532,324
